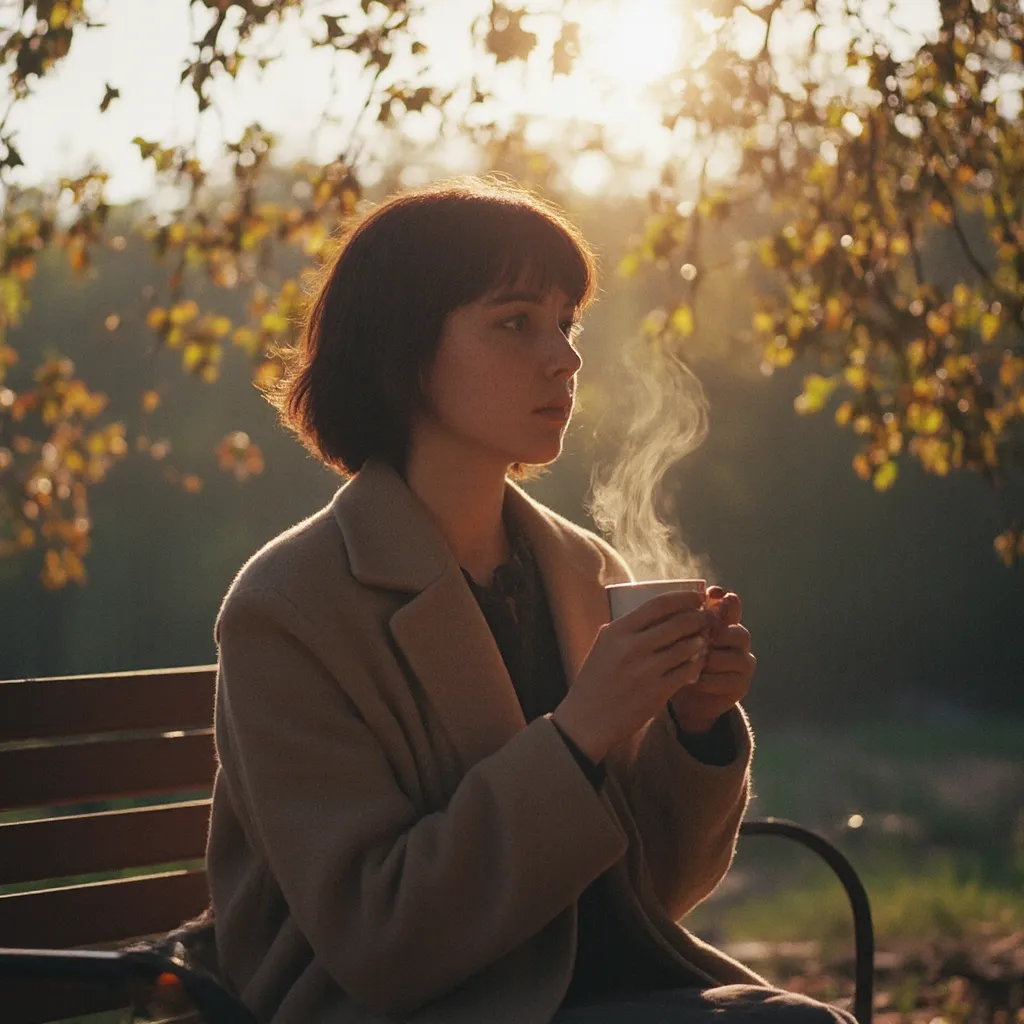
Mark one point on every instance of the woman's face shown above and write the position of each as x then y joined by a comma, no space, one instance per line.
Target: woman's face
501,360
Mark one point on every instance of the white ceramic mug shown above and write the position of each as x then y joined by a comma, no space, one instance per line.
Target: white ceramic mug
624,597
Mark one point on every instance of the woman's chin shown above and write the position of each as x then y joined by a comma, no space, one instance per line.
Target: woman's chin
540,455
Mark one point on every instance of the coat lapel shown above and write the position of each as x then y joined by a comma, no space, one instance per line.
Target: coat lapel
392,543
449,646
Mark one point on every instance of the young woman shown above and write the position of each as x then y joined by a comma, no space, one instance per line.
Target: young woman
450,790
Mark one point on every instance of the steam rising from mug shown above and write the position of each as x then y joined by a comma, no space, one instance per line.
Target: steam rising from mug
668,418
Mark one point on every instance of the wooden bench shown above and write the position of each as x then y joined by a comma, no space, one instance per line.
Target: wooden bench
76,874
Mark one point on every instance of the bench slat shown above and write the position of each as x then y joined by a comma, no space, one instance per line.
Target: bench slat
112,702
106,841
101,912
41,776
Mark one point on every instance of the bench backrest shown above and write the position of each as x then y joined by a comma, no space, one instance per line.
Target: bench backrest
74,872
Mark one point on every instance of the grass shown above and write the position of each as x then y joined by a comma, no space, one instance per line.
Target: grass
929,903
931,814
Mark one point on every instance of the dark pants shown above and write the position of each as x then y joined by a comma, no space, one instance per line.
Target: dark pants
728,1004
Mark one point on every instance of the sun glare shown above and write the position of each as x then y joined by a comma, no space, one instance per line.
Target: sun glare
625,47
629,44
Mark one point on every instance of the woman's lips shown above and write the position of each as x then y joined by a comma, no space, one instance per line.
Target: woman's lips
555,412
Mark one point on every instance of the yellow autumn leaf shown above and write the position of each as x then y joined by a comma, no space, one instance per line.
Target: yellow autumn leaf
931,420
817,390
777,356
937,323
940,211
822,240
192,356
269,372
156,318
184,312
150,401
246,338
764,322
833,313
682,320
990,323
996,420
629,265
73,566
856,377
220,325
916,352
96,444
885,476
988,448
843,414
273,322
1005,548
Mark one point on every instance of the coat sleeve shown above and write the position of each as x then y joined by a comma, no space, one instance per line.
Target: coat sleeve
687,813
399,906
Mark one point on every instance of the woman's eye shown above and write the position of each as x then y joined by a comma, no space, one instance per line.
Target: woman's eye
572,328
518,322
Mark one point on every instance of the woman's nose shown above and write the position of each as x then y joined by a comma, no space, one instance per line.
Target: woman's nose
564,359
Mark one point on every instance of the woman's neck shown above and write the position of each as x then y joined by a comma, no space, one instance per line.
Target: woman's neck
466,501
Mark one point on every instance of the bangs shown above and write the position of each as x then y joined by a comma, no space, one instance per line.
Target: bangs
486,247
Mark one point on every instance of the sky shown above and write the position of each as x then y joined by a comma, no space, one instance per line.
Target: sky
143,46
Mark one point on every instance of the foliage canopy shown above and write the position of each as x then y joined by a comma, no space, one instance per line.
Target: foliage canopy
882,163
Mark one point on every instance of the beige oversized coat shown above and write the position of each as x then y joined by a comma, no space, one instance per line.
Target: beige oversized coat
389,839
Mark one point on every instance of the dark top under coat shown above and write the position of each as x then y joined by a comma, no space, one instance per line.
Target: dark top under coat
517,611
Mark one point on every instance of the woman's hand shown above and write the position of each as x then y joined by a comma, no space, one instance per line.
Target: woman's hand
728,668
637,662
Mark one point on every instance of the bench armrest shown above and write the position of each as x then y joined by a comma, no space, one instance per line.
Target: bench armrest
212,1001
863,931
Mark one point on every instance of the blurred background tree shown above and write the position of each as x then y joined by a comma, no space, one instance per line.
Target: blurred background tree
806,197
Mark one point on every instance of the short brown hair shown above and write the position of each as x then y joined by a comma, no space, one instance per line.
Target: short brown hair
373,325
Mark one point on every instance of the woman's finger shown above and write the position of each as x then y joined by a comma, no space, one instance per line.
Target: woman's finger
692,650
731,686
732,636
728,660
730,609
673,630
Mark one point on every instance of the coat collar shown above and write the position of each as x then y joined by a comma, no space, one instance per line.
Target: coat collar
393,543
